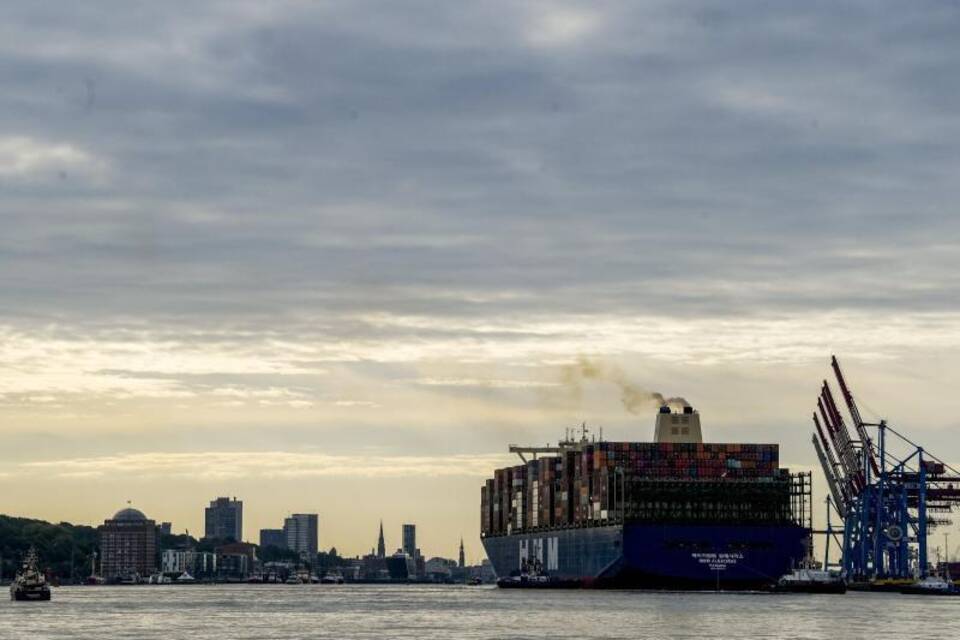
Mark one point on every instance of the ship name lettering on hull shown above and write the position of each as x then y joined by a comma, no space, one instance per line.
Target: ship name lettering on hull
532,549
717,561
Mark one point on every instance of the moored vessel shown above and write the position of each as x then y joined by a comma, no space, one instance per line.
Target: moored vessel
676,513
809,580
30,583
931,586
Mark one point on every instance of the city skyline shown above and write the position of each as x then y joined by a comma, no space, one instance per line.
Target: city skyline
282,535
334,258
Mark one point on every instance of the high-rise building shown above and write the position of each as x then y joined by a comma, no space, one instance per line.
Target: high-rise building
273,538
302,532
410,540
463,559
381,546
128,545
223,520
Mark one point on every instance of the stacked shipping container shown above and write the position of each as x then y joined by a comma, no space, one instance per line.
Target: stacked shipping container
584,484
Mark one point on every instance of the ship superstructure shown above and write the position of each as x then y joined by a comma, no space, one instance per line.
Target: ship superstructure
30,583
673,513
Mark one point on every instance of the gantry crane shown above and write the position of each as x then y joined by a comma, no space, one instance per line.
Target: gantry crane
889,491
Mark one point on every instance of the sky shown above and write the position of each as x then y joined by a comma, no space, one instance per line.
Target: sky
334,257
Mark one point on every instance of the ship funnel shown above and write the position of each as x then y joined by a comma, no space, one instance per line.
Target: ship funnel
677,426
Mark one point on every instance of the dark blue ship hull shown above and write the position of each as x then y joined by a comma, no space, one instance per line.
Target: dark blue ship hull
651,556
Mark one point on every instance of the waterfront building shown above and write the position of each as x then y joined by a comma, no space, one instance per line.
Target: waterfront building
173,561
236,560
484,572
223,520
410,540
197,563
301,532
166,528
374,567
128,545
401,566
439,569
273,538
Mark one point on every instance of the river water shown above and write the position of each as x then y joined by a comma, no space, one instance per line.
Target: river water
203,612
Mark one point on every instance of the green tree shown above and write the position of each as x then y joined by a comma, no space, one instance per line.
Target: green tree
64,549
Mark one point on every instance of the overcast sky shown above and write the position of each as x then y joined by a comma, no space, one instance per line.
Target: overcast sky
335,256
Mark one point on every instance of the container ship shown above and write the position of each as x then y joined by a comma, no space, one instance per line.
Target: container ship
675,513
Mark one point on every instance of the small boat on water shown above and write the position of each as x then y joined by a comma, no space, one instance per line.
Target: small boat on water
932,586
332,577
810,581
536,581
30,583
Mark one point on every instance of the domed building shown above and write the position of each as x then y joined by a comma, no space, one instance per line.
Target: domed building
128,545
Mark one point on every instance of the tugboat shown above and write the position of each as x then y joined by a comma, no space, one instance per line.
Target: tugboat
30,583
931,586
531,576
808,580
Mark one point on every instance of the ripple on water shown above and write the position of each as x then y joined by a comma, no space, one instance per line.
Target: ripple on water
241,612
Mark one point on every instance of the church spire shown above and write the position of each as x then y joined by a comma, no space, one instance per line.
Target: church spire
463,560
381,547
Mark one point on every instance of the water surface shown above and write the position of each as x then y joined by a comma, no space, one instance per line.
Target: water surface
203,612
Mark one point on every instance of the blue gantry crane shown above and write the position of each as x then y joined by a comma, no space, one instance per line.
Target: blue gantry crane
889,491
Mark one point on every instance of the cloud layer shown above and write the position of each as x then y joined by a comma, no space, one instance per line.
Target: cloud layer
226,465
391,226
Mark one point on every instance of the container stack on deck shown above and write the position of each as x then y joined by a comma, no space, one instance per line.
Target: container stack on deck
600,481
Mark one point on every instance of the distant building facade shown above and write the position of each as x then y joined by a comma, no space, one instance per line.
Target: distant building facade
223,519
273,538
128,545
374,567
302,534
401,567
381,545
410,540
439,569
166,528
236,560
199,564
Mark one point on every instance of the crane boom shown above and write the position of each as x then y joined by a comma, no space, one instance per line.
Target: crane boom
848,451
855,415
834,465
828,473
842,448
